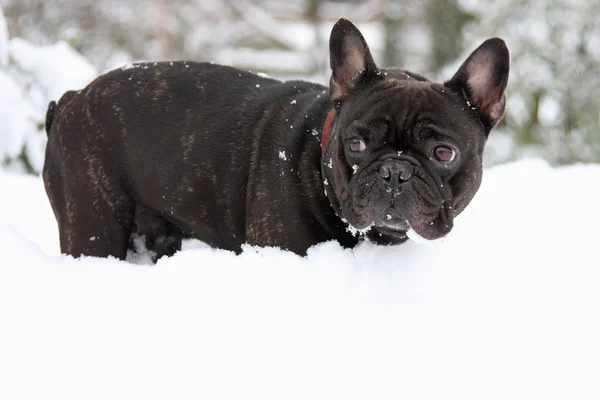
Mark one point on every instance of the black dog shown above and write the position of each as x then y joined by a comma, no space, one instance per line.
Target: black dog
174,150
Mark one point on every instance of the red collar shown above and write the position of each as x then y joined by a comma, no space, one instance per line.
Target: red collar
327,128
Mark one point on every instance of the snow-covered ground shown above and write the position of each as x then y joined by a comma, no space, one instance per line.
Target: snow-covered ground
506,307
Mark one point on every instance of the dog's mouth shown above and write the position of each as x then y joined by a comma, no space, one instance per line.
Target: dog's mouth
392,231
422,229
393,223
396,216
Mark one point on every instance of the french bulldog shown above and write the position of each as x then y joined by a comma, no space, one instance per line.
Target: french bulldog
174,150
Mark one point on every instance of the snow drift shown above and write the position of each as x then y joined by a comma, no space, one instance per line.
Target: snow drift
505,307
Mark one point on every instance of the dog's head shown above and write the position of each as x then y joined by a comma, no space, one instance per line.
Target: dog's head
405,152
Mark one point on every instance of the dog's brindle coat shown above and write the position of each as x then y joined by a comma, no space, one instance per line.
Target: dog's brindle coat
181,149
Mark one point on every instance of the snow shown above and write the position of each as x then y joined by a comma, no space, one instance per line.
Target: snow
415,237
3,40
15,116
355,231
57,67
551,111
506,306
31,76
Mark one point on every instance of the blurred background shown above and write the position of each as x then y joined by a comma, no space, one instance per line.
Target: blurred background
553,107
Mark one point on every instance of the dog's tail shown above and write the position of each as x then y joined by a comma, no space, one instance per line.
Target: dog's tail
50,116
53,106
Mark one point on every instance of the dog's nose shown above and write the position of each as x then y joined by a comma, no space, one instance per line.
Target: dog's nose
395,173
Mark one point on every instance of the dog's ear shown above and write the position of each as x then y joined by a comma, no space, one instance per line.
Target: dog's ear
483,78
350,59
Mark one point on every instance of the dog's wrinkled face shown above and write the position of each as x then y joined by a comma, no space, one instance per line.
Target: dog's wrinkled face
405,152
412,160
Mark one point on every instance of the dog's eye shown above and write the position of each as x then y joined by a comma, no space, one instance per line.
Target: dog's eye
356,145
444,154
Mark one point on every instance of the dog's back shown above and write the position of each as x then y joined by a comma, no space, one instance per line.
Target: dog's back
157,135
